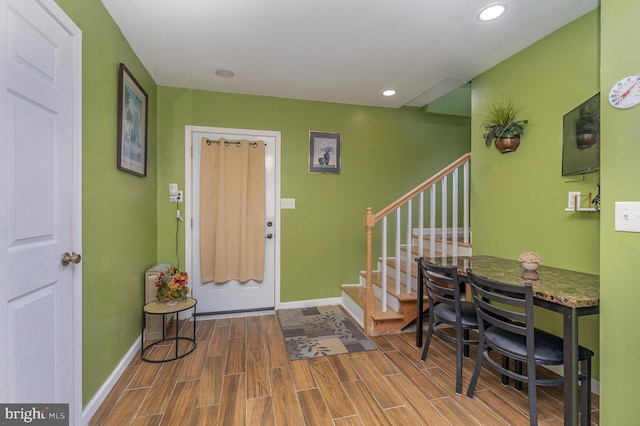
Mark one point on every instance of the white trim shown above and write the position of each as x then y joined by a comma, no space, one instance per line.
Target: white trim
102,393
188,168
310,303
56,12
286,305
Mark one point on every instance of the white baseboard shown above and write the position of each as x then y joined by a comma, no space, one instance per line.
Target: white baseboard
92,406
310,303
286,305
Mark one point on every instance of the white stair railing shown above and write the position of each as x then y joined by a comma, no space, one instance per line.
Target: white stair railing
433,230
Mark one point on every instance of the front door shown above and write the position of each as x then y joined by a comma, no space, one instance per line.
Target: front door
234,296
40,141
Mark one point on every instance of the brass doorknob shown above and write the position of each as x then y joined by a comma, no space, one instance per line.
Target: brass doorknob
70,258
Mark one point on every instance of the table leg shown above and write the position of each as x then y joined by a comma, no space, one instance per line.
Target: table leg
570,342
177,329
194,324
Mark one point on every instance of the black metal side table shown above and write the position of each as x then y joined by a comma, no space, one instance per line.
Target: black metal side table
161,308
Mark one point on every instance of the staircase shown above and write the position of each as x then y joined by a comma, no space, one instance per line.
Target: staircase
384,300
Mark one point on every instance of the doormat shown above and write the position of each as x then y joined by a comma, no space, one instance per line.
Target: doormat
320,331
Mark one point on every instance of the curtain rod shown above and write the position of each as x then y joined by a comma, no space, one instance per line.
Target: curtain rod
237,143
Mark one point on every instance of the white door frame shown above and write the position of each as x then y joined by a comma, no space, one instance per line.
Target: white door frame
188,169
52,9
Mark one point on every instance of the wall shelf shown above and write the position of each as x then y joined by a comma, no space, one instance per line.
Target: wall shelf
576,204
582,209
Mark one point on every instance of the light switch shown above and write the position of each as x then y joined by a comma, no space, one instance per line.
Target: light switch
287,203
627,216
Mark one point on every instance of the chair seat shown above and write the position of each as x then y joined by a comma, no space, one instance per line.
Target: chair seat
548,347
447,314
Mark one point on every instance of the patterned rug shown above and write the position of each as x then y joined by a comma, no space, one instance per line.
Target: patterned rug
320,331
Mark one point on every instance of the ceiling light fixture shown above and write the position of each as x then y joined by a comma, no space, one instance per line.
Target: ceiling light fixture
389,92
492,12
224,73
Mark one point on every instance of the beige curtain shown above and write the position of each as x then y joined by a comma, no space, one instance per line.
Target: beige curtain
232,210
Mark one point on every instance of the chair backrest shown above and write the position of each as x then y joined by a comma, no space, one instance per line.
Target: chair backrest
506,306
443,285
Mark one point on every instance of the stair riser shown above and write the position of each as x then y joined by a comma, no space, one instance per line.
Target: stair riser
392,301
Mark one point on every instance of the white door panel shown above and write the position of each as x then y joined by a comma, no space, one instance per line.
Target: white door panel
234,296
39,137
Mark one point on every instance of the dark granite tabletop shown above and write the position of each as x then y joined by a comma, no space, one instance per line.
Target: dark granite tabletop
568,288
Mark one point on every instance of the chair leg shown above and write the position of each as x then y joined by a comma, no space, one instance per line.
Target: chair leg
533,402
459,350
429,334
465,336
505,365
518,370
585,392
476,370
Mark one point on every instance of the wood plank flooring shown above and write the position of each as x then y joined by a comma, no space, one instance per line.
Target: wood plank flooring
240,374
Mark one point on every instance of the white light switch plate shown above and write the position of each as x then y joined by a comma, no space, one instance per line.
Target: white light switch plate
573,196
287,203
627,216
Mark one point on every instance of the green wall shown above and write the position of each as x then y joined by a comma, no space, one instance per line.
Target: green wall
119,216
128,226
620,370
385,152
518,199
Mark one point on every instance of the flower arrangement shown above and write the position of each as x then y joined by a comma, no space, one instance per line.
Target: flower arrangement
172,284
530,257
530,260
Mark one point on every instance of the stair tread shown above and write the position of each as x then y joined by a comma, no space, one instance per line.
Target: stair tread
358,294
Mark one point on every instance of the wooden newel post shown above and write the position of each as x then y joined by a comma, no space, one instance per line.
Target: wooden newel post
369,223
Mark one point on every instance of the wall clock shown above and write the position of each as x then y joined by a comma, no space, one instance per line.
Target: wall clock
626,92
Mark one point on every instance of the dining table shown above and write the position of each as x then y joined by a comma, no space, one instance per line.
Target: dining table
572,294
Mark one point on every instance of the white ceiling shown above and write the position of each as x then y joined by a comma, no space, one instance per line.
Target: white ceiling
345,51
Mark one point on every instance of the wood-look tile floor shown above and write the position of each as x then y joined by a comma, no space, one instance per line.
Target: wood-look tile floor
240,374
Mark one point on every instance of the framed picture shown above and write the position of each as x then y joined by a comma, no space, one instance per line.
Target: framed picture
324,152
132,124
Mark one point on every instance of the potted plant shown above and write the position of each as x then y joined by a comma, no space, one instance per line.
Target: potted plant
503,126
588,126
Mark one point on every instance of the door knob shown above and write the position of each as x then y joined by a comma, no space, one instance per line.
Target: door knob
269,236
70,258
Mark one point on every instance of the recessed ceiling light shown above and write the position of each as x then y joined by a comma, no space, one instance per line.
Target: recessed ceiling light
492,12
224,73
389,92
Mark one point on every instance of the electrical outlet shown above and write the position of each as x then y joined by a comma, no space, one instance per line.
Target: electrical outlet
176,198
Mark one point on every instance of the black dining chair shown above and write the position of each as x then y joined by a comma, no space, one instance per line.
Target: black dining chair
446,307
506,325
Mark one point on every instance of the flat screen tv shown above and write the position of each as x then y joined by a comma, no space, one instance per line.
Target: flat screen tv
581,138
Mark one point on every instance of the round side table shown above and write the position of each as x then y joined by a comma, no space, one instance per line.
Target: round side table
160,308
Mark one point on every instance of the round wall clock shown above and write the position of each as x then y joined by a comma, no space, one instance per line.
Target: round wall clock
626,92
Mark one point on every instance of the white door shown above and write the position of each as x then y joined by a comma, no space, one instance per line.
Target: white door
40,166
234,296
